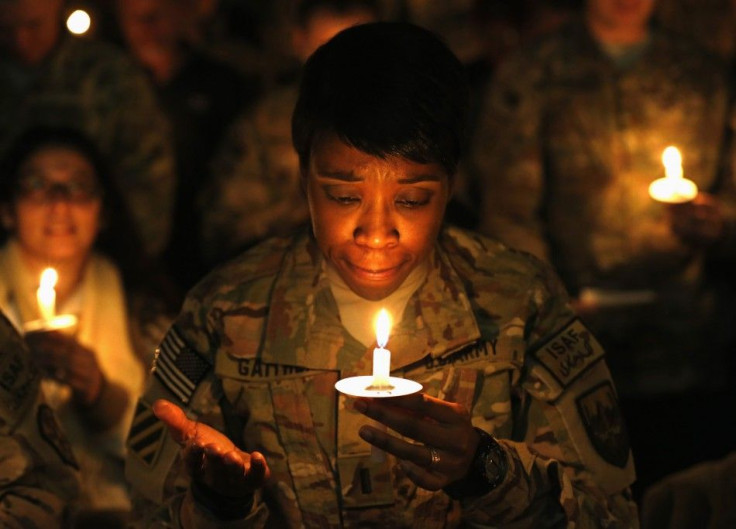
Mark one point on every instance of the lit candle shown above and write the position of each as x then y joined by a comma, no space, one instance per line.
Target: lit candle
381,355
673,188
46,295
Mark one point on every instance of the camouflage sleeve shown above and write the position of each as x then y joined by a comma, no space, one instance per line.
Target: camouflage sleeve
569,458
726,189
254,191
38,474
506,156
182,374
133,131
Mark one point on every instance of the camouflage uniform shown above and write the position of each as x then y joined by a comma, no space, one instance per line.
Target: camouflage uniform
254,191
259,346
567,148
38,474
99,90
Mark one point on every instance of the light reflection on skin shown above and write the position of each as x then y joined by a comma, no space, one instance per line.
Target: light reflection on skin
374,219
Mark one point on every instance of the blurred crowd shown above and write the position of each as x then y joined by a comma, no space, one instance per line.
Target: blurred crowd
145,152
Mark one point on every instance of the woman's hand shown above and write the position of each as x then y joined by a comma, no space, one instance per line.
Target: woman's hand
63,358
211,458
699,222
444,439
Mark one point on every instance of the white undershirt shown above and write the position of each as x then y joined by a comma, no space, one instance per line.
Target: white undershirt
358,314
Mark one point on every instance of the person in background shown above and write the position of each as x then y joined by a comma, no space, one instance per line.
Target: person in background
39,479
200,97
572,135
51,78
697,497
516,424
60,209
254,189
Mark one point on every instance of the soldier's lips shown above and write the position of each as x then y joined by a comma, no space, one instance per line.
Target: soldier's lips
59,230
374,274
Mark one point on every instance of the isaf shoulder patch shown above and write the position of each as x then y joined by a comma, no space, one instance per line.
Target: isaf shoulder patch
604,423
50,432
146,435
179,367
570,353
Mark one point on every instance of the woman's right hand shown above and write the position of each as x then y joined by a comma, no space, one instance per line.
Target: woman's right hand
211,458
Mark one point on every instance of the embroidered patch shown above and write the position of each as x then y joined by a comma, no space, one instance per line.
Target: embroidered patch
570,352
50,432
179,367
18,381
146,436
602,419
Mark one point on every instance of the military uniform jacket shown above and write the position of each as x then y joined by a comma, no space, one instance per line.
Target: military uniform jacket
254,191
568,145
38,474
259,346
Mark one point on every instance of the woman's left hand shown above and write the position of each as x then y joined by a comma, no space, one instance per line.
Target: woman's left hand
444,439
699,222
63,358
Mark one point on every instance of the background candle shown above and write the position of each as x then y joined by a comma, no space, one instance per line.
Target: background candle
46,295
673,188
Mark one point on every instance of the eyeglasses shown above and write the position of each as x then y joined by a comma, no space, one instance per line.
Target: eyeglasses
40,190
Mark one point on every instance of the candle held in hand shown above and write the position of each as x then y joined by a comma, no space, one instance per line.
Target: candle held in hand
46,295
381,355
673,188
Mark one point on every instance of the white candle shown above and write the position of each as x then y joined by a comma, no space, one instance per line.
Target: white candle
381,355
673,188
46,295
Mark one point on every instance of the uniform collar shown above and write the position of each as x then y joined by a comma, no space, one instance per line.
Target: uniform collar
303,326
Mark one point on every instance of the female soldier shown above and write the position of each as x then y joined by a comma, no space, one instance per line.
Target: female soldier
517,424
60,209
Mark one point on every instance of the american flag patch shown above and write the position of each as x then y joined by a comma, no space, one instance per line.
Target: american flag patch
179,367
146,434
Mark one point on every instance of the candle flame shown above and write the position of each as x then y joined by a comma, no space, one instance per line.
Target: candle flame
672,160
46,295
49,277
383,327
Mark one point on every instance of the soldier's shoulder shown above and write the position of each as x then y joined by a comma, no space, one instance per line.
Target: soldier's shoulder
76,54
693,61
544,48
256,267
479,258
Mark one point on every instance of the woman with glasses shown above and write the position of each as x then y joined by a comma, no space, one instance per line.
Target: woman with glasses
59,210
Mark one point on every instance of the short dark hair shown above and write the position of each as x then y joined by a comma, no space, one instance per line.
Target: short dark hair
387,89
38,138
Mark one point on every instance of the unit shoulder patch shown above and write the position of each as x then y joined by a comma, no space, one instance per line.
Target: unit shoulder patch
604,423
569,353
18,385
147,434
